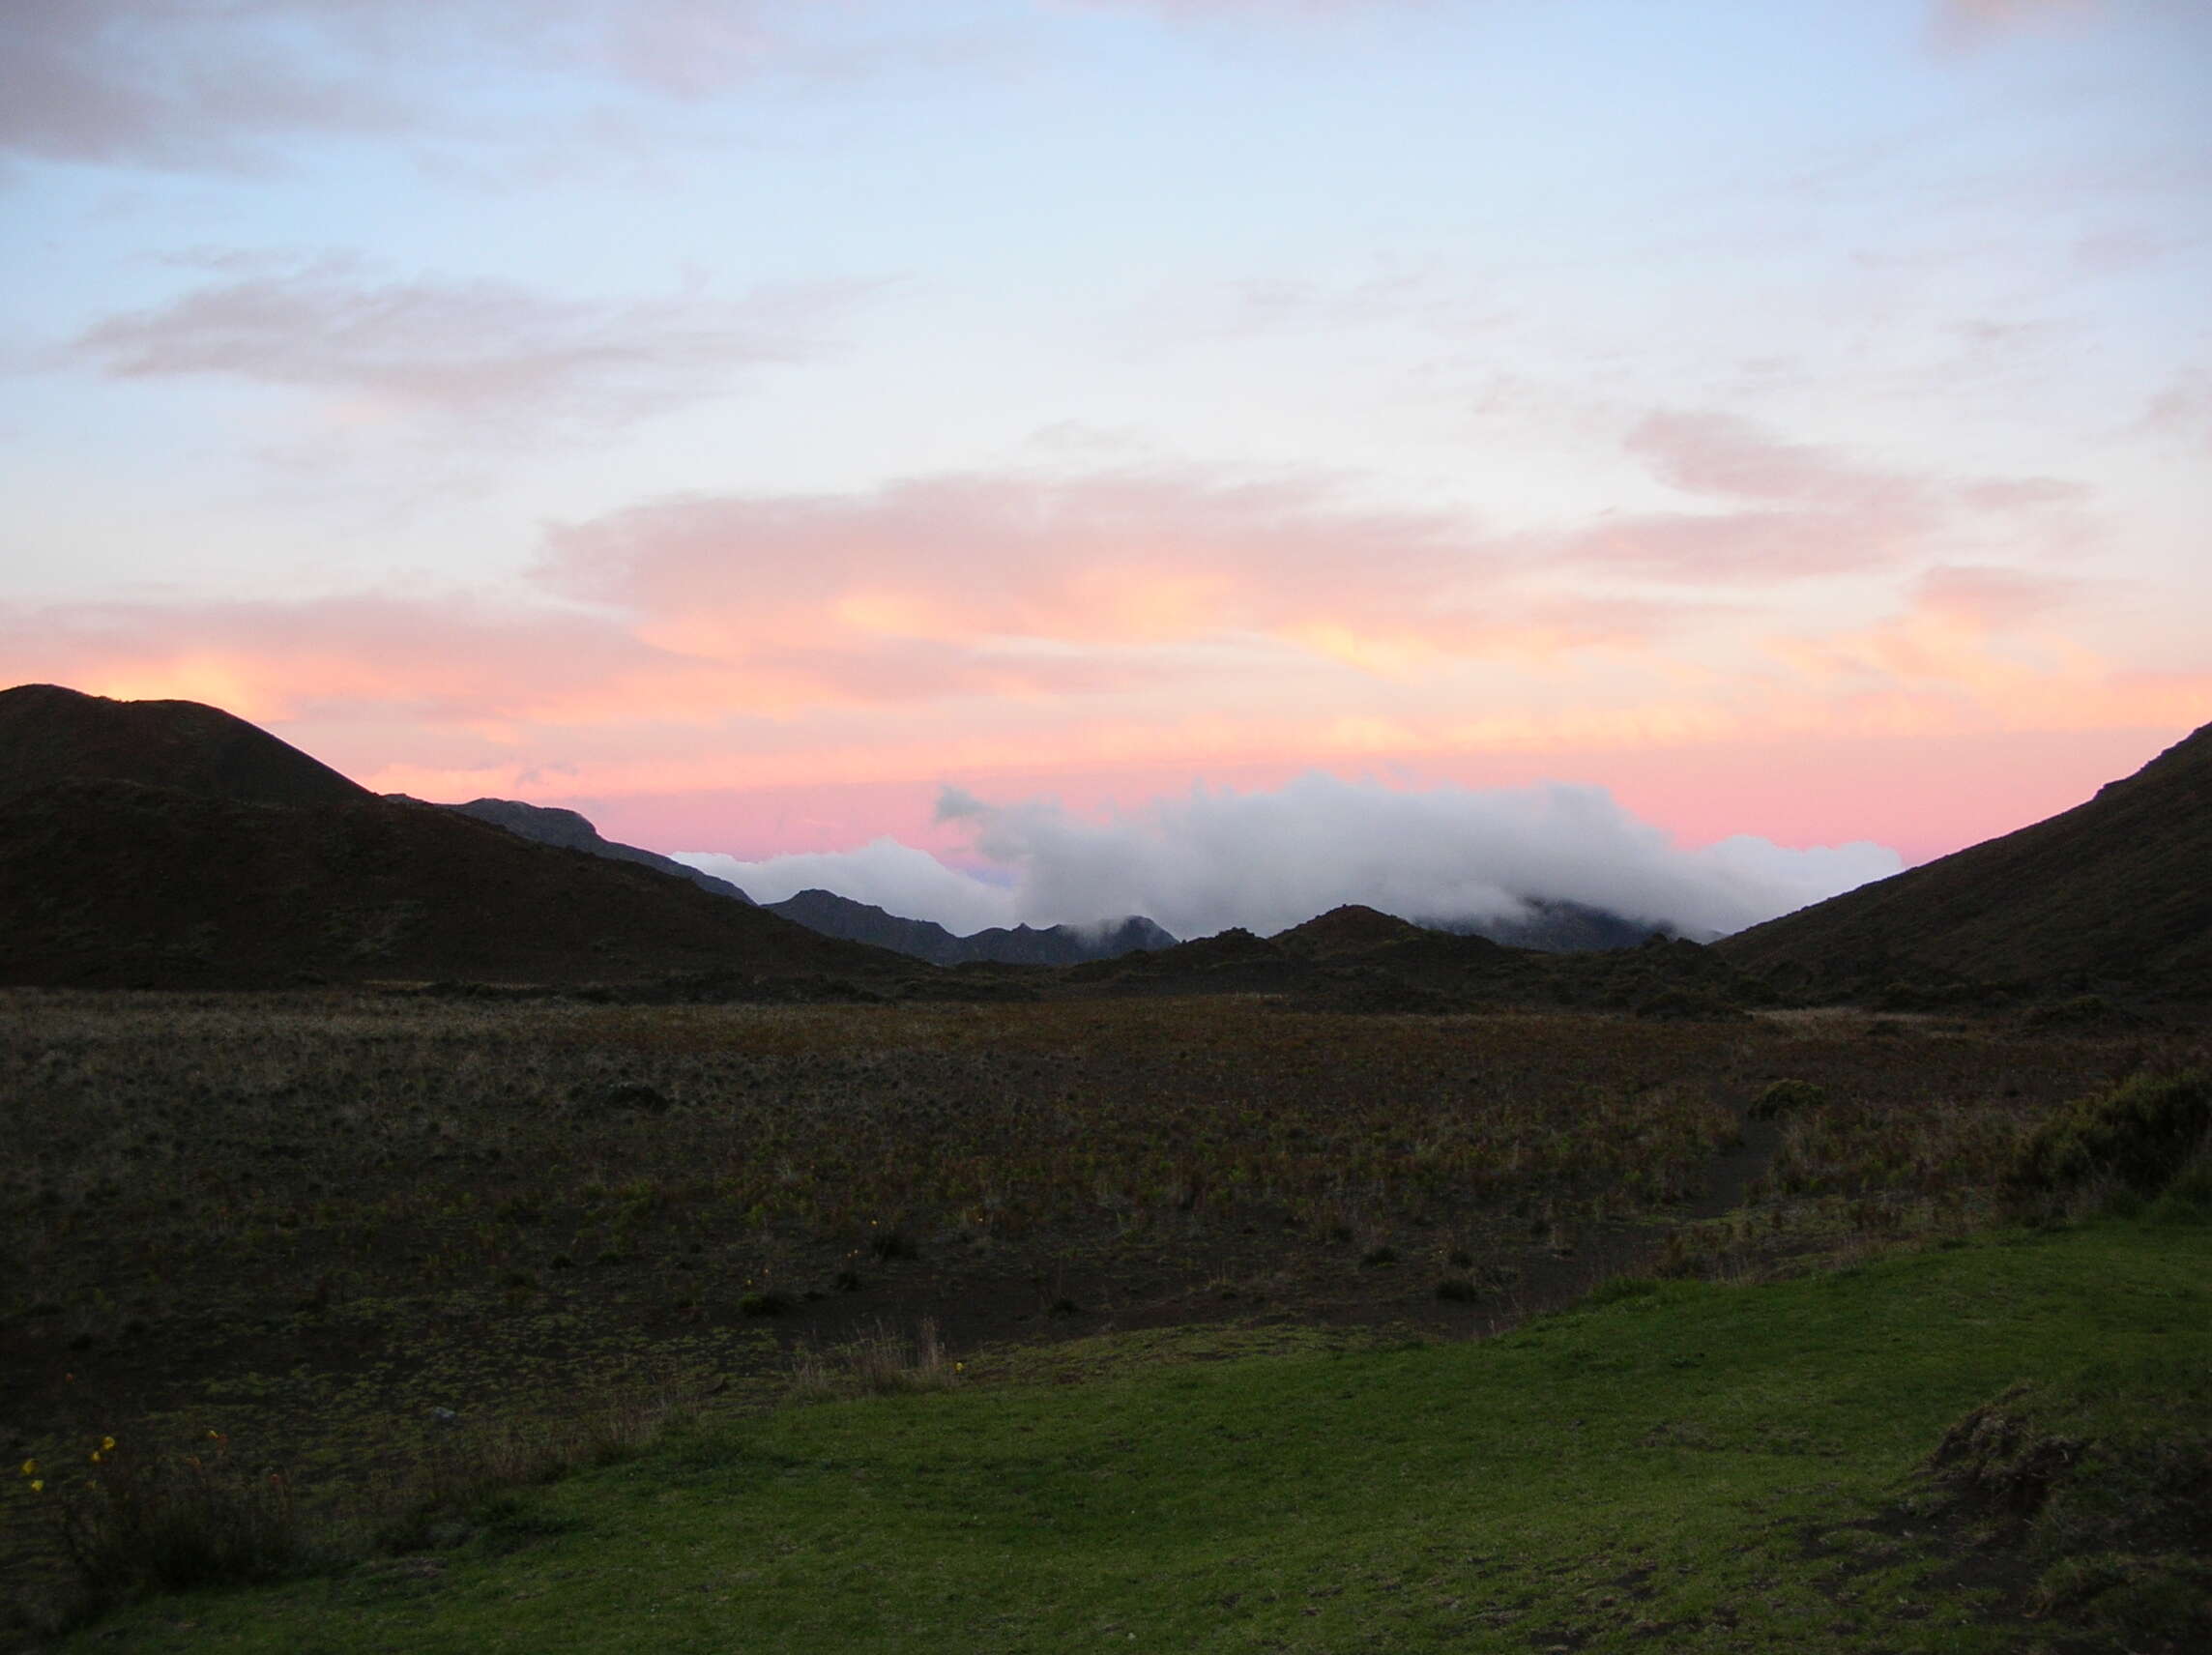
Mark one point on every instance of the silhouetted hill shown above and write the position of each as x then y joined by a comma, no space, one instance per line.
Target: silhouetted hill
835,916
548,825
2117,892
48,734
242,861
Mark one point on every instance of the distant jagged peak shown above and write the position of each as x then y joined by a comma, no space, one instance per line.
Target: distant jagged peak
843,916
572,830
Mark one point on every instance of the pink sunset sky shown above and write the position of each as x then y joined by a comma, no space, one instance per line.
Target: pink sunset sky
745,421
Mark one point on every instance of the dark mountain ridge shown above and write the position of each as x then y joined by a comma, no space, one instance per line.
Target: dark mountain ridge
1359,960
1556,926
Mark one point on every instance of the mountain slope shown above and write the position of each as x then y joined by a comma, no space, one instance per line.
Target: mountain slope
2116,891
49,734
111,882
835,916
166,843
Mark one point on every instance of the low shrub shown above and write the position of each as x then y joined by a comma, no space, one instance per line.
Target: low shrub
2139,1134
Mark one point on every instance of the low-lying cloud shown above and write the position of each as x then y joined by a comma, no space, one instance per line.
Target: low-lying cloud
1269,860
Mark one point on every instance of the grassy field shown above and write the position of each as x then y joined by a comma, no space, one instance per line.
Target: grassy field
1688,1467
402,1250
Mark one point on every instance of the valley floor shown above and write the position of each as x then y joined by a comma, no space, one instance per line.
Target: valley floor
384,1245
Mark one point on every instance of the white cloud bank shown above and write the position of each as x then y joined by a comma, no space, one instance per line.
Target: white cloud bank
1270,860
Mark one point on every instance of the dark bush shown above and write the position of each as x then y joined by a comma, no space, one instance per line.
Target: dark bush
1783,1097
2142,1133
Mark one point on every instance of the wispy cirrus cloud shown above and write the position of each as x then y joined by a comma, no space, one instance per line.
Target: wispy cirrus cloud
183,84
1421,300
1968,21
474,351
1786,512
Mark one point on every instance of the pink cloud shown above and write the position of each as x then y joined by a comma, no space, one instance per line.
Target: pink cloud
1139,557
1726,457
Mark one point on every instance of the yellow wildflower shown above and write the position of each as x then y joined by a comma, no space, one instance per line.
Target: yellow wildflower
30,1467
38,1485
107,1444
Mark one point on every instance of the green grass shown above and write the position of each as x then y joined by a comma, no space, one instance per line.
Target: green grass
1683,1467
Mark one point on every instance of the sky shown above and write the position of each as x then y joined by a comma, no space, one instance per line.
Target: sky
1770,433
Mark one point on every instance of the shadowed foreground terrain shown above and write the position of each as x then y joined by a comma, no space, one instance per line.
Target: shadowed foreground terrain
382,1242
1686,1467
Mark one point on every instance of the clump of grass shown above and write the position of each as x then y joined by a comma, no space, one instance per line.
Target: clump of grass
768,1301
132,1523
880,1361
468,1471
1457,1289
1616,1290
1375,1258
2112,1511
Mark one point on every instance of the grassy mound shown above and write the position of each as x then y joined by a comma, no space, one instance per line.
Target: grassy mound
1673,1465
